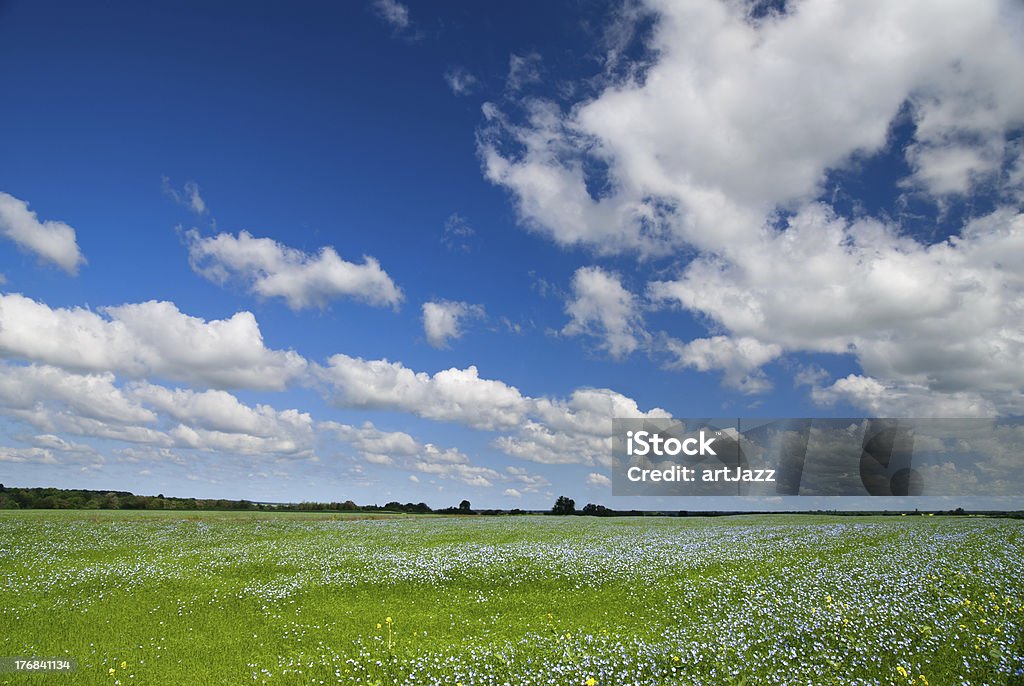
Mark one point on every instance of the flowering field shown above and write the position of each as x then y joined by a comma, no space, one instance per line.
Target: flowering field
203,598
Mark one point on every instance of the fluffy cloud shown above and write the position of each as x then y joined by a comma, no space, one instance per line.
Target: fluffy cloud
40,455
589,411
51,240
239,443
458,395
271,269
51,442
720,144
393,12
602,308
71,387
595,479
217,420
143,339
906,399
25,389
537,442
57,401
737,116
371,442
399,449
442,318
740,358
574,430
945,317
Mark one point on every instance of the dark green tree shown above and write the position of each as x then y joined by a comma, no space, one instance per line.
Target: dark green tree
564,506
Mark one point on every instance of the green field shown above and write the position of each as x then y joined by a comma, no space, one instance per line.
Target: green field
257,598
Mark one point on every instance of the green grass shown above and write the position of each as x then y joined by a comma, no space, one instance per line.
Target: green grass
296,598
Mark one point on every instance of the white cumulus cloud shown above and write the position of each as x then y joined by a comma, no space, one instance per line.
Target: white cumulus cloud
717,150
55,401
53,241
945,317
271,269
458,395
601,307
442,320
26,389
547,430
576,430
144,339
735,117
740,358
400,450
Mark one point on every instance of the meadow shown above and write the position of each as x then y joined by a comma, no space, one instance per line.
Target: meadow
258,598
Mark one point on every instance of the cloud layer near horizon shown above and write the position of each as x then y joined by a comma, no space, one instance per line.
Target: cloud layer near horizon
71,385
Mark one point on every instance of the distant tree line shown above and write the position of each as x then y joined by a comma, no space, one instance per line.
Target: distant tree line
80,499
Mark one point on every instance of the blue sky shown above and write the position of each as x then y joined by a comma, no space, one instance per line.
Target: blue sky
426,251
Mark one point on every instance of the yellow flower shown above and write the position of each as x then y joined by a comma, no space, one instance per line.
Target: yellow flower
923,680
378,625
387,619
591,681
902,671
110,671
124,665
